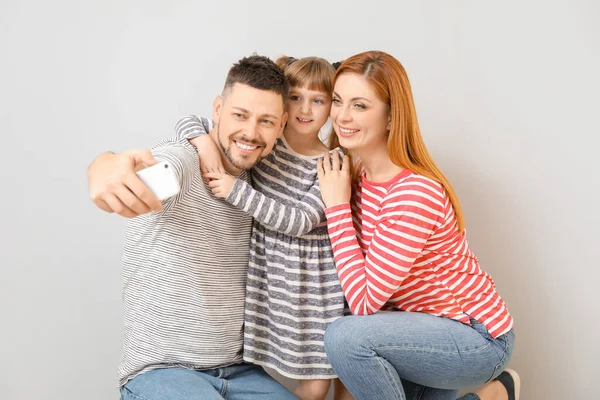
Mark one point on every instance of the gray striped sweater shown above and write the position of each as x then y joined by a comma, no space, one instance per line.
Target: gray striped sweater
184,276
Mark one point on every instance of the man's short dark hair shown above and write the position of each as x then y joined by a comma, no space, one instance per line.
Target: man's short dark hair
260,73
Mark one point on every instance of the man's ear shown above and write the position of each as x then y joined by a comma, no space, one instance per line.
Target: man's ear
284,119
217,108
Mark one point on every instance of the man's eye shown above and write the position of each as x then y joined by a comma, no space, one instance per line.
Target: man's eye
336,101
267,121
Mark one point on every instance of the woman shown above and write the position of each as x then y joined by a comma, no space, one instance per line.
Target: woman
399,245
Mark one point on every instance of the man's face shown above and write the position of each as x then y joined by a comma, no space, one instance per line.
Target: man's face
248,122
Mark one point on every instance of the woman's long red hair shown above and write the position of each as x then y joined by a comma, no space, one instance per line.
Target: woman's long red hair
406,147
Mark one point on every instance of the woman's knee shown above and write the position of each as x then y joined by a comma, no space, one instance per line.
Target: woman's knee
340,336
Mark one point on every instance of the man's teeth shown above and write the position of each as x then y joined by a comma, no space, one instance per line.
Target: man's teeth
348,131
245,146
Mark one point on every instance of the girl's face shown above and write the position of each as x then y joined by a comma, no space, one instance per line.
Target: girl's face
308,110
360,119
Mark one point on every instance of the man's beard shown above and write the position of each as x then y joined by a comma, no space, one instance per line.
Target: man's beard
227,152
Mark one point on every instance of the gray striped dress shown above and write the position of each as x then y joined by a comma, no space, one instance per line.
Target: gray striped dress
293,291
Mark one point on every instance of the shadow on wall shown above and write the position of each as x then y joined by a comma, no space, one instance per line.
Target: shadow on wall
500,231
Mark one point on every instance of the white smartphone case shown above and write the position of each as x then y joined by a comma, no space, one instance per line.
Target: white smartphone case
161,180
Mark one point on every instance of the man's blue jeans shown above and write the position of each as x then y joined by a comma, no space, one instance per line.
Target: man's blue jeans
411,355
237,382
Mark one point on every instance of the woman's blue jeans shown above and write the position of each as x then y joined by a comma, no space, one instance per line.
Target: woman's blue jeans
411,355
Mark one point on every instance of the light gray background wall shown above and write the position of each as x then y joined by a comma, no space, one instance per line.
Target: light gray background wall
507,95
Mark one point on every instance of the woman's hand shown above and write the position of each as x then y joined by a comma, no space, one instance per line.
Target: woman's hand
334,179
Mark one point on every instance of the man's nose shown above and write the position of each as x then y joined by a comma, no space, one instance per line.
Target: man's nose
251,131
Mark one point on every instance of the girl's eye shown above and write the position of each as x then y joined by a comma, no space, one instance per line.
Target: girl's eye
295,98
318,101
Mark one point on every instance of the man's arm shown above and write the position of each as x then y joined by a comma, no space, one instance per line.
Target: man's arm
115,187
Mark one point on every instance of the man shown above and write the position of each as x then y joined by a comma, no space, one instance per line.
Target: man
185,260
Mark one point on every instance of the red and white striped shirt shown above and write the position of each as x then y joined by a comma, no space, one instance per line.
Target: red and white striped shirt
399,248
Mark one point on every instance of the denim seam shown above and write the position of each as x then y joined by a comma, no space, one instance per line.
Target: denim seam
384,365
419,395
502,359
493,374
430,350
379,359
224,388
134,395
451,335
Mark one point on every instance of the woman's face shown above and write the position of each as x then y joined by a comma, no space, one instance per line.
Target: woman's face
360,119
308,110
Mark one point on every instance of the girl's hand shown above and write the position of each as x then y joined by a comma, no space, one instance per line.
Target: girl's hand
220,183
209,154
334,179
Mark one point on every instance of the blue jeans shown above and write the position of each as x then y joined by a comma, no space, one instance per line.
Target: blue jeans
411,355
237,382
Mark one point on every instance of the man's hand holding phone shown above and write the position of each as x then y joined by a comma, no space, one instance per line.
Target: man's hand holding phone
115,186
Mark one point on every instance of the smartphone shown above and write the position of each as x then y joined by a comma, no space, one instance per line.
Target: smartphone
161,180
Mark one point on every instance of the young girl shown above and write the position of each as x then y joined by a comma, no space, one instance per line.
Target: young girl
293,292
400,246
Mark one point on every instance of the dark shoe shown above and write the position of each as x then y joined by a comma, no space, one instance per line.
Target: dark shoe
511,381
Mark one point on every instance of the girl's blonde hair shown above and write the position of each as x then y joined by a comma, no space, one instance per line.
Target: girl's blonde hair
312,73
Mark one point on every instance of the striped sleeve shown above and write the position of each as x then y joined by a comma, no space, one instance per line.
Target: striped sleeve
183,160
192,126
410,213
293,220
